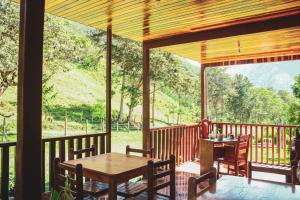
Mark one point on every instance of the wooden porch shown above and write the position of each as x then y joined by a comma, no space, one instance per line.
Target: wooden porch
192,169
159,24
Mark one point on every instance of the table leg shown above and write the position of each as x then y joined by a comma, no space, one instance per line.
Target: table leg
112,189
206,155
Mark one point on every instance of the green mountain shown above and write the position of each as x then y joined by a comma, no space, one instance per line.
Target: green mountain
278,75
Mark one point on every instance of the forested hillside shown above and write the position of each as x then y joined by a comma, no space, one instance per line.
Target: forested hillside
74,75
74,81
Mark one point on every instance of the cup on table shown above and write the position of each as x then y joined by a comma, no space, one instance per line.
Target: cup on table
220,136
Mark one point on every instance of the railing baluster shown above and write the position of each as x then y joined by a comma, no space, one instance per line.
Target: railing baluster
186,144
174,141
167,143
267,144
71,146
284,146
79,146
52,155
87,145
251,142
5,173
62,150
177,140
272,145
262,144
291,133
278,144
102,144
95,142
256,146
241,129
163,152
155,144
159,144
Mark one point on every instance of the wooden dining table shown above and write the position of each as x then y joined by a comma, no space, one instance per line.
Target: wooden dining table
207,147
240,188
112,168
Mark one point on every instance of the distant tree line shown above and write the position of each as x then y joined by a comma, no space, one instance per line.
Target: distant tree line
236,99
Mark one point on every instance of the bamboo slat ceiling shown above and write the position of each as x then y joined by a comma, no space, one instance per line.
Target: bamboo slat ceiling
152,19
282,42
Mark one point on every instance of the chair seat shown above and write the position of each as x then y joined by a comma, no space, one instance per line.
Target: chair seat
144,196
95,188
130,189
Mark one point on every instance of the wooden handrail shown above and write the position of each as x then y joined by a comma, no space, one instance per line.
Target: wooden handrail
250,124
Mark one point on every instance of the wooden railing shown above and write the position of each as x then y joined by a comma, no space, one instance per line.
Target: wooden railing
181,141
270,144
52,147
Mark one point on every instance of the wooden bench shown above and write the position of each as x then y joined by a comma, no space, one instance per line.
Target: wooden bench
290,172
283,170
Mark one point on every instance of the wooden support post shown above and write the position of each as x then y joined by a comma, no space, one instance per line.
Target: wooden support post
108,87
29,129
203,93
146,98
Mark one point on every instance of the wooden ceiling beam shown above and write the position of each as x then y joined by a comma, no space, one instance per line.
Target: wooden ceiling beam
249,27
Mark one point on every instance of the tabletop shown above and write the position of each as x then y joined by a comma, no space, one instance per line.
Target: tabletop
224,140
111,164
240,188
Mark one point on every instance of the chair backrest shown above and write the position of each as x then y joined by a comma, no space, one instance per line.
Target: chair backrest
193,183
242,148
63,173
144,152
79,153
155,174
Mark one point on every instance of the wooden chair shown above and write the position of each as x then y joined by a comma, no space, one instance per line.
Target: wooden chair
236,157
91,187
194,182
154,183
144,152
61,173
290,171
131,189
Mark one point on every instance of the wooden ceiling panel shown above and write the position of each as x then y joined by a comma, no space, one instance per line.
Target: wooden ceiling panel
145,20
165,17
280,42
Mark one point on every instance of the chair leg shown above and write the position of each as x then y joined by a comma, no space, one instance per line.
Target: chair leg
236,170
218,169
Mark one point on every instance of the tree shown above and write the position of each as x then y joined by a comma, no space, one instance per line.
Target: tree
127,55
294,109
296,87
164,67
268,107
239,100
218,88
9,23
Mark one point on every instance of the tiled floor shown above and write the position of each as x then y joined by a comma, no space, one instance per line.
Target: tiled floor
188,169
